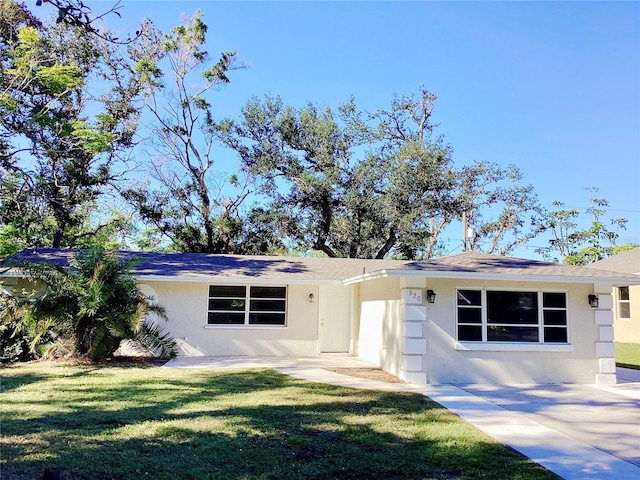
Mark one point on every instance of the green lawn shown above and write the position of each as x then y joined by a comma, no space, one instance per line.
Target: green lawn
108,422
628,355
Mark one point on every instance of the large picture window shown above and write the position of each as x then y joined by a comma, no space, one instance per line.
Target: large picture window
247,305
511,316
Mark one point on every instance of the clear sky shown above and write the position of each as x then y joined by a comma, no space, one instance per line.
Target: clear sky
553,87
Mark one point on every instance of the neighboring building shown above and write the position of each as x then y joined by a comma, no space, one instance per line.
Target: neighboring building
464,318
626,312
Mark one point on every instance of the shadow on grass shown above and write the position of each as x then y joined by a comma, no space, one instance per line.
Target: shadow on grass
242,425
8,383
628,365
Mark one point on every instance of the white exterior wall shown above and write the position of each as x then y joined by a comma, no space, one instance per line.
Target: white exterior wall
186,304
379,327
445,364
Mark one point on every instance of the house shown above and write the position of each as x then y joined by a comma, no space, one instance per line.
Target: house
626,312
464,318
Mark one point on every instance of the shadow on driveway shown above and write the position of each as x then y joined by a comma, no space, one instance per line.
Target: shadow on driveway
607,419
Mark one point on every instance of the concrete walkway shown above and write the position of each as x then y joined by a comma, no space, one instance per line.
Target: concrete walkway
579,432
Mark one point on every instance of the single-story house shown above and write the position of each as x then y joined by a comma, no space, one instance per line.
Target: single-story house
626,298
464,318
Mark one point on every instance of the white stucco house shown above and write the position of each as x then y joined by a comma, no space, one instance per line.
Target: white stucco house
464,318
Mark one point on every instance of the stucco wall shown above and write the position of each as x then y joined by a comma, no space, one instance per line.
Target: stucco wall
186,305
378,330
445,364
628,331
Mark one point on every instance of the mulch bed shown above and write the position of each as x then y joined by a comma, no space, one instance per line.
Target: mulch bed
368,373
133,361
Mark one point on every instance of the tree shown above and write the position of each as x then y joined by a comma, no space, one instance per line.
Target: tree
85,310
353,184
305,150
496,207
575,246
185,201
61,135
332,195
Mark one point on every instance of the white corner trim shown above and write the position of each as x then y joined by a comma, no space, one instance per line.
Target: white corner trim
512,347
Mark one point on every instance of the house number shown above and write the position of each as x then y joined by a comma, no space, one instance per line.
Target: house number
414,296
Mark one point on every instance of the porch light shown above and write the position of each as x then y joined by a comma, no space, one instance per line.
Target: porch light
593,301
311,297
431,296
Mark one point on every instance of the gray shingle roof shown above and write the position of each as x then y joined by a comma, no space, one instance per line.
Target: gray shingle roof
475,265
625,262
199,265
203,267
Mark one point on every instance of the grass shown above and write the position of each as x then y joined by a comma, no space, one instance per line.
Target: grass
106,422
628,355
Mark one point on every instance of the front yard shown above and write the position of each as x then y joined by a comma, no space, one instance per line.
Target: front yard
105,422
628,355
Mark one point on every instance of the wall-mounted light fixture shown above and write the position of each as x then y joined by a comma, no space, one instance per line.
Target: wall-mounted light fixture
431,296
593,301
311,297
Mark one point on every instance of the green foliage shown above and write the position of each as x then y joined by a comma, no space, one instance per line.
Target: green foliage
30,66
93,141
71,98
92,305
15,339
354,184
191,34
500,210
575,246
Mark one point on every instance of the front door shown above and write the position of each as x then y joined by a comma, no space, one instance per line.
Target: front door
335,319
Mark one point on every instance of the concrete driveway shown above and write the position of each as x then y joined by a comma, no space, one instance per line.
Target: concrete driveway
580,432
607,419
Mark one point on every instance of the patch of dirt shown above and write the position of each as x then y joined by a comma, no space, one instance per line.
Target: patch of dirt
136,361
368,373
107,362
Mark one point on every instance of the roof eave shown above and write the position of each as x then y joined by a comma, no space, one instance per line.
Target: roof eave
615,281
16,273
243,280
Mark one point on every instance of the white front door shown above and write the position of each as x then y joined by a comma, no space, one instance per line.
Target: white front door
335,319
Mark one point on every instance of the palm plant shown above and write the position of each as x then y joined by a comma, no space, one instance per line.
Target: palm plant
90,306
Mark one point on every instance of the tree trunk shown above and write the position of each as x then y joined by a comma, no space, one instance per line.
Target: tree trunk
388,245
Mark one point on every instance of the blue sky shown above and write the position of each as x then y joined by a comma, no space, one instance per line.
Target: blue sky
553,87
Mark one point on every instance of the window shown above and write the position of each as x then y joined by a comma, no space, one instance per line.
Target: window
624,305
242,305
511,316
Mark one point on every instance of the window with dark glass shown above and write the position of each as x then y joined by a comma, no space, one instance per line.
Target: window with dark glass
554,317
511,316
242,305
469,315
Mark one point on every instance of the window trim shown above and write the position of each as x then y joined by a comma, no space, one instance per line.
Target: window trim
469,346
487,345
247,308
619,301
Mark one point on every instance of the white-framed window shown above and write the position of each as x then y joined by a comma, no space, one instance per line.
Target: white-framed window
512,316
247,305
624,304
